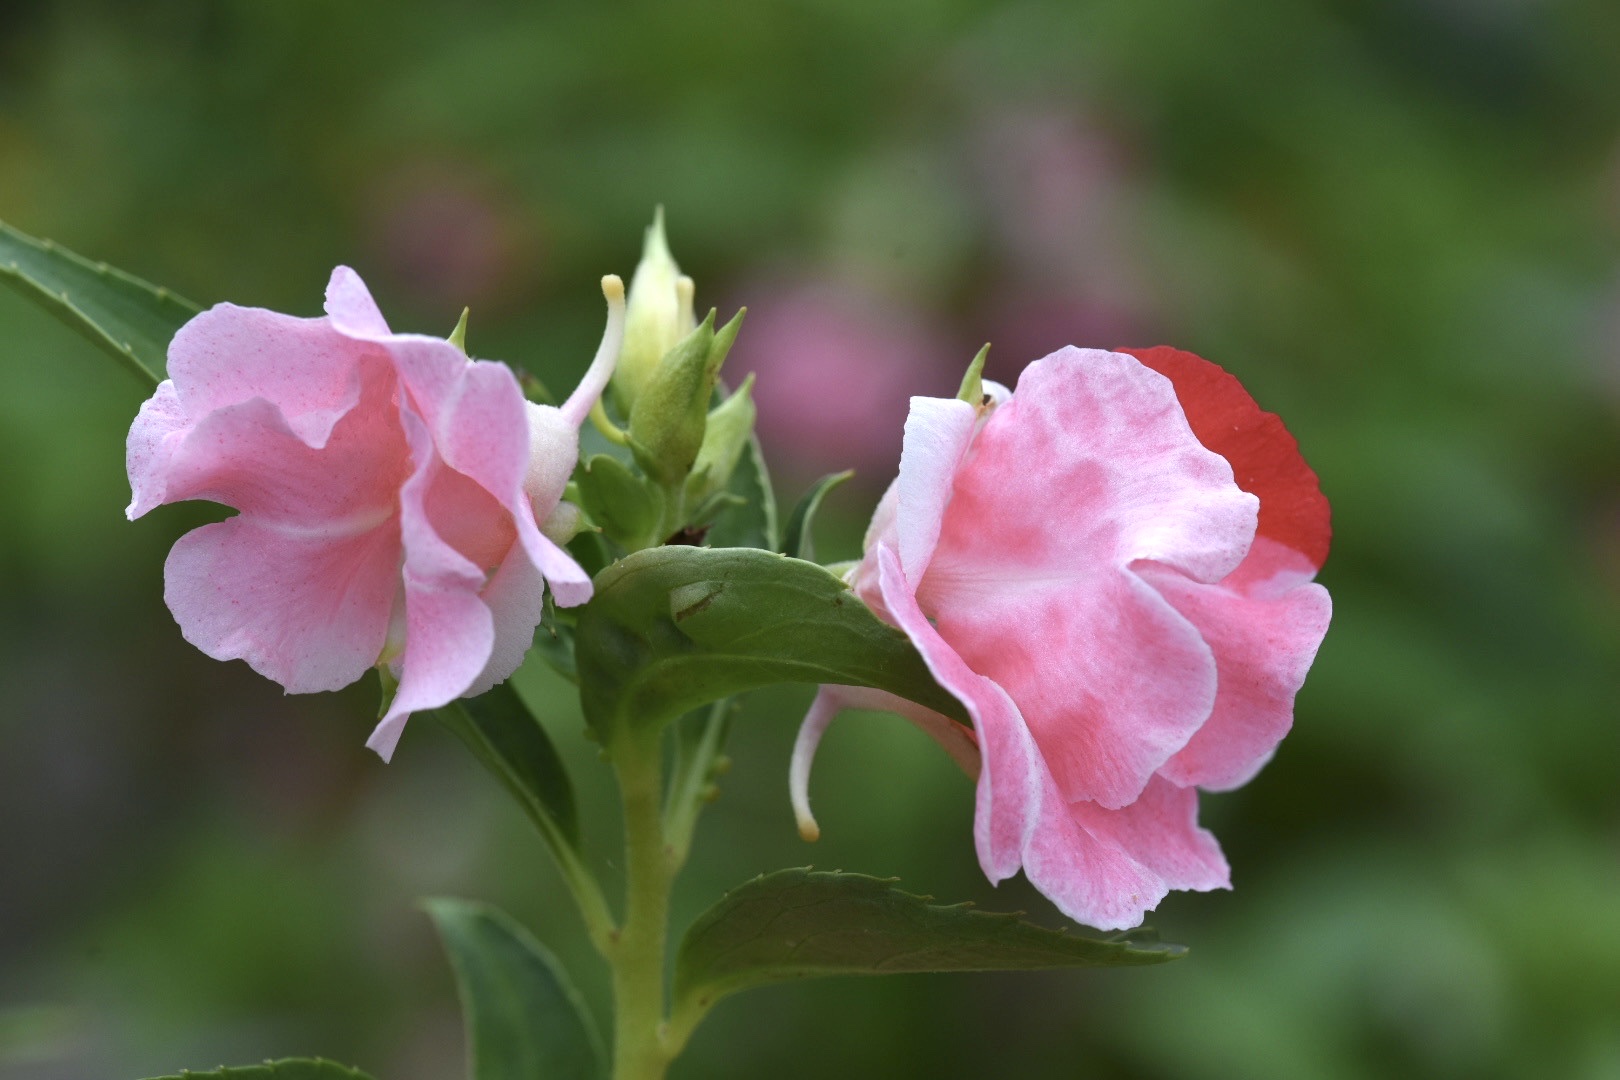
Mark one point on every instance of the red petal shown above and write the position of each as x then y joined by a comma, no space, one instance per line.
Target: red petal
1265,458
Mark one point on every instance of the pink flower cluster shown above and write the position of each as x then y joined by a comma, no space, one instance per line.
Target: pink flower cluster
390,496
1112,570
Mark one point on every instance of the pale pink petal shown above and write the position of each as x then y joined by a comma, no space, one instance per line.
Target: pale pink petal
1088,878
553,453
350,307
245,456
1011,778
1110,679
481,426
449,631
309,611
938,431
570,584
1020,819
158,427
956,740
516,597
1265,458
1160,831
304,367
1264,626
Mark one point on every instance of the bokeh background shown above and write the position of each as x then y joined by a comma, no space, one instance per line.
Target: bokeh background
1396,221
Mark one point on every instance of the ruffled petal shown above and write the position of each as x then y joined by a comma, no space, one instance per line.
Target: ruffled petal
938,431
350,307
1011,778
305,368
245,456
310,612
1264,624
157,429
1265,457
1087,877
1110,679
570,584
516,597
449,631
1160,832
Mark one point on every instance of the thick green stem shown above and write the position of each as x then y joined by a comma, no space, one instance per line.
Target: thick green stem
637,953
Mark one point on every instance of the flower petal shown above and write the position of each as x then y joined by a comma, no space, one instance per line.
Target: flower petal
449,631
310,612
350,307
1109,677
1160,831
938,431
1264,625
516,597
158,428
229,355
1265,457
1009,796
246,456
570,584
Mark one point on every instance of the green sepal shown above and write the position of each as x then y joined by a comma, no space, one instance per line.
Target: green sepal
524,1019
626,507
725,436
282,1069
797,539
130,318
972,388
801,924
674,628
670,415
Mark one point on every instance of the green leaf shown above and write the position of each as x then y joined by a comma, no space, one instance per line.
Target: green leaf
753,523
501,732
797,540
284,1069
802,924
626,507
524,1019
131,319
674,628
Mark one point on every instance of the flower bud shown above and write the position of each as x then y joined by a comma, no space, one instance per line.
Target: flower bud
670,415
730,425
659,315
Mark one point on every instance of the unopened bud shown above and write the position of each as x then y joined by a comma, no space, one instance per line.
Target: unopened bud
659,315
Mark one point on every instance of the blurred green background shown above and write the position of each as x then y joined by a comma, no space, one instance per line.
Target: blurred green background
1397,222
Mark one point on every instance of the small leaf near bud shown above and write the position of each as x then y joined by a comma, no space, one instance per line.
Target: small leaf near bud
725,437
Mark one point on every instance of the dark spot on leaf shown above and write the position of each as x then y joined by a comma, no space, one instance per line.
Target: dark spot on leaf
689,536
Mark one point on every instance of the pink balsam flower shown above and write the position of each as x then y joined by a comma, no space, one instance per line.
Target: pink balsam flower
390,492
1111,570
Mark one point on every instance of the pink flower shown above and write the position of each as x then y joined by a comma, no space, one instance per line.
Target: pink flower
389,491
1123,619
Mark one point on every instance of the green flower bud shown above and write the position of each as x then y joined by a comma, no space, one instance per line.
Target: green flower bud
725,437
659,315
670,415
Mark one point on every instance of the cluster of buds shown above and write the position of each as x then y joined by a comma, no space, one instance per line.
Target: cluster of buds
678,433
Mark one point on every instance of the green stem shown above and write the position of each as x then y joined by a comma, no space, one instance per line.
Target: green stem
699,741
637,953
